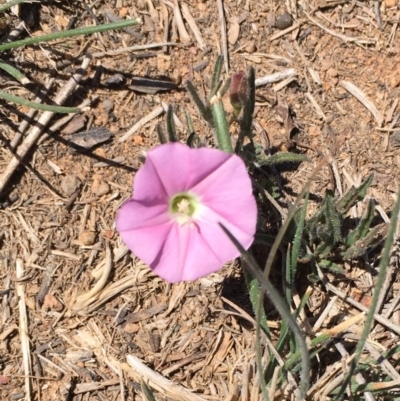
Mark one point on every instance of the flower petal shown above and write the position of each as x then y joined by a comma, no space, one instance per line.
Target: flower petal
228,192
186,256
179,167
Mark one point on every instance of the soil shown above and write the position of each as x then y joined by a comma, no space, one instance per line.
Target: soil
58,208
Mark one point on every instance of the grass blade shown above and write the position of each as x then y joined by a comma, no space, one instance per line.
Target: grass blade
67,34
37,106
379,283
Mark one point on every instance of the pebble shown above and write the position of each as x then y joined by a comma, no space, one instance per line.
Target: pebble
332,72
250,47
271,19
70,184
100,187
87,238
284,21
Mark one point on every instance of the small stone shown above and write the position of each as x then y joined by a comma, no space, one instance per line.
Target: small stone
52,303
87,238
100,187
123,12
394,80
250,47
332,72
271,20
108,105
284,21
325,64
70,184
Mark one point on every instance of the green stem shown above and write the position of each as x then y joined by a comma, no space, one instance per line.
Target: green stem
67,34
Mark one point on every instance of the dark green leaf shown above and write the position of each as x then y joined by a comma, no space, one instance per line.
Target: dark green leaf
286,157
333,267
353,196
375,236
363,226
171,131
204,110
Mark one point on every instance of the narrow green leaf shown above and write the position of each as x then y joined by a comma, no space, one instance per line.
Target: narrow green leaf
37,106
189,123
363,227
221,125
12,3
286,157
353,196
14,73
375,236
171,131
147,392
204,110
333,219
162,138
67,34
383,265
298,236
247,110
283,310
331,266
215,80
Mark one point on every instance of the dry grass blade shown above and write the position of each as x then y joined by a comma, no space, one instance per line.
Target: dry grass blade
276,77
224,37
193,26
24,329
160,383
362,97
144,120
83,300
183,34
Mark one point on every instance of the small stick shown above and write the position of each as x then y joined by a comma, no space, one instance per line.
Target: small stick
316,106
44,119
276,77
362,98
193,26
183,33
224,38
285,31
377,11
164,12
338,35
144,120
159,382
23,329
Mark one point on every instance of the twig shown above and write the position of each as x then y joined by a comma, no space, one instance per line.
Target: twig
224,38
132,49
285,31
276,77
316,106
144,120
377,10
193,26
338,35
183,33
159,382
44,119
23,329
362,98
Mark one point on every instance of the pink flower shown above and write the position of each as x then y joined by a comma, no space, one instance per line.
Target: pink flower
180,197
